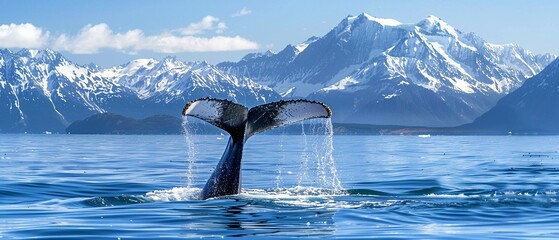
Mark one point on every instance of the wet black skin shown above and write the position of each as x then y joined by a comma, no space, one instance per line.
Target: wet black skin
226,178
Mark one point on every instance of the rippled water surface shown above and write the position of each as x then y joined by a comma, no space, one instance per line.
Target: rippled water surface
130,187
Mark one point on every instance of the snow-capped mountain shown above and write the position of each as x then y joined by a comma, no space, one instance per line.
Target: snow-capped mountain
381,71
532,108
171,82
40,90
369,70
268,68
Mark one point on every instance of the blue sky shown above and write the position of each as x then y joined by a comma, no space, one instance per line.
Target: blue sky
115,32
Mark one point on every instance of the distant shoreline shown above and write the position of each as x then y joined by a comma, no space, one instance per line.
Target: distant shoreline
114,124
340,129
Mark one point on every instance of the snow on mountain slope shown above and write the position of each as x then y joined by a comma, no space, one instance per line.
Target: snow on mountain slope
170,80
47,91
40,90
381,71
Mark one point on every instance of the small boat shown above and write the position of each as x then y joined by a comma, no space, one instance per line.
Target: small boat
424,135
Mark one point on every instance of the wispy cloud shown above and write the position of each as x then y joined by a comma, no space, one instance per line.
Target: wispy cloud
242,12
22,35
92,39
207,23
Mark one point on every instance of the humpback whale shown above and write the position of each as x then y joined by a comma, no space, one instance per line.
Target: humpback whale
242,123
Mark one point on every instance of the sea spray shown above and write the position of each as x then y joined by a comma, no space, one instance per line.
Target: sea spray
303,175
318,148
188,133
281,161
323,150
329,156
318,168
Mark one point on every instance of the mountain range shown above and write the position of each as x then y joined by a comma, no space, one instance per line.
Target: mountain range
381,71
368,70
40,90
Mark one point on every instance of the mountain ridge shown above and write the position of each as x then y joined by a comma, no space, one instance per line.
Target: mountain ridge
43,91
368,70
375,65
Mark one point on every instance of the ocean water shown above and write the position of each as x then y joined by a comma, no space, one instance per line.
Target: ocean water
392,187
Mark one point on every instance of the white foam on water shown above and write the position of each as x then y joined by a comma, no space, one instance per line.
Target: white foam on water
297,196
310,197
461,195
174,194
505,196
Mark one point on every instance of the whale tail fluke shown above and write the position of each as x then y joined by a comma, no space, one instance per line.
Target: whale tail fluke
276,114
221,113
239,121
243,123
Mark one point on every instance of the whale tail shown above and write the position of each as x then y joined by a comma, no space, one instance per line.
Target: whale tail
242,123
239,121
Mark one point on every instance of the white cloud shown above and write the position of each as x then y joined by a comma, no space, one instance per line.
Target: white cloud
174,44
207,23
242,12
92,38
24,35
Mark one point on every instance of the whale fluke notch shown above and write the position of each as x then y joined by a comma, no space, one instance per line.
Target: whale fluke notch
242,123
